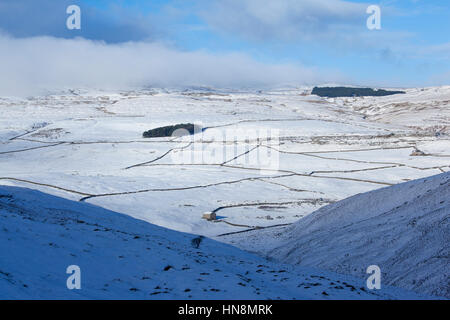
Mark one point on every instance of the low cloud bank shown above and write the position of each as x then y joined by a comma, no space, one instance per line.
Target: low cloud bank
31,66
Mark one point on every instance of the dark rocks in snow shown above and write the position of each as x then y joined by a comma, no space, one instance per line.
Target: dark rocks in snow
196,241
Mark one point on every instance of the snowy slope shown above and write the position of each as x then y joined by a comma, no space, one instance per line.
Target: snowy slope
121,257
88,145
404,229
419,108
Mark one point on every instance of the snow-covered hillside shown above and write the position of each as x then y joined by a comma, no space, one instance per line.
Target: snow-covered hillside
87,146
404,229
421,108
122,257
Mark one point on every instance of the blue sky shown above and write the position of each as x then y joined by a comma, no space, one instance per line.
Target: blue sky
326,37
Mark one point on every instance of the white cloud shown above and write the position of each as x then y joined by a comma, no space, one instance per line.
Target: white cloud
286,20
30,65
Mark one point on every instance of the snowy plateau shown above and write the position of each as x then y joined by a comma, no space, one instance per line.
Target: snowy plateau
351,182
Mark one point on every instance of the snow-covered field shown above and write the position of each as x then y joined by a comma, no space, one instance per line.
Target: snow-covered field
87,145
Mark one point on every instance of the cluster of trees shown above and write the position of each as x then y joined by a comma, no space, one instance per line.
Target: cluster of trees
182,129
333,92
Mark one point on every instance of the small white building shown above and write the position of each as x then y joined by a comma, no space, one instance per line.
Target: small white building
209,216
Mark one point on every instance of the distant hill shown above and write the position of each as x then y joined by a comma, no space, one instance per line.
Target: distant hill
333,92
